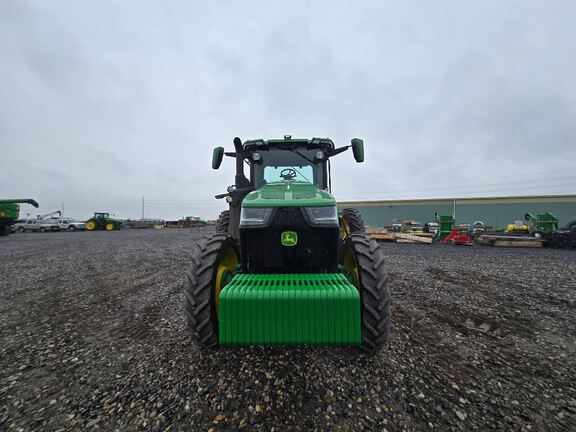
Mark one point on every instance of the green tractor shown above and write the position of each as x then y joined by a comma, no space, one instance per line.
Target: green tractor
103,221
284,267
9,213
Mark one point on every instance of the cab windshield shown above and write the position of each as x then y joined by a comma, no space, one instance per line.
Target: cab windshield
296,164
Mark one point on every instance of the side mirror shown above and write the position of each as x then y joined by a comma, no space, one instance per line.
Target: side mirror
358,149
217,156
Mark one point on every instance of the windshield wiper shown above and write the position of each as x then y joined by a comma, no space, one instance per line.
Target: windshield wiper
303,156
305,178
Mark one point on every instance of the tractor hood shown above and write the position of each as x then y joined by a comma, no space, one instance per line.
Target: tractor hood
288,194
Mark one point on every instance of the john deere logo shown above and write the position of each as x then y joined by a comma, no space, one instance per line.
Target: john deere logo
289,238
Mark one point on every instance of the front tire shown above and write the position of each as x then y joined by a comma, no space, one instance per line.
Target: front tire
110,226
214,263
363,262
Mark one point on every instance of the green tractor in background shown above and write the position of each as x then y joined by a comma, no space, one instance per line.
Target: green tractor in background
284,267
9,213
103,221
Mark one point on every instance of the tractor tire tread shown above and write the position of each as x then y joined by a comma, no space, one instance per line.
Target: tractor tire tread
354,219
200,315
223,222
375,293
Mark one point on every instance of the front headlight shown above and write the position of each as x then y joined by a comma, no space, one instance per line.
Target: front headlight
254,216
322,215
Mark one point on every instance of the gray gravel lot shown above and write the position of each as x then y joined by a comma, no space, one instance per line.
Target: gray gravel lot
92,335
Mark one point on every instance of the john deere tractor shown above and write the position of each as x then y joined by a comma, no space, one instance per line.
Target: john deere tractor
103,221
284,266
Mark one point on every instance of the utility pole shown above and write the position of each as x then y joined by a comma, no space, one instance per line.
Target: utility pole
142,207
62,208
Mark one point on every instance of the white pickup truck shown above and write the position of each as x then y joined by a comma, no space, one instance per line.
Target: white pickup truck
71,225
48,225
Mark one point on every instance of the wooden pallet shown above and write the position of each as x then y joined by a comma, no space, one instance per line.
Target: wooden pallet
510,241
397,237
515,243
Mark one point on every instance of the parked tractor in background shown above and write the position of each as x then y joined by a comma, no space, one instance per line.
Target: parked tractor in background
9,213
284,267
103,221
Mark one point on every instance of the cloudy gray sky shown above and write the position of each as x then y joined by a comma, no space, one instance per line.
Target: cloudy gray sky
103,102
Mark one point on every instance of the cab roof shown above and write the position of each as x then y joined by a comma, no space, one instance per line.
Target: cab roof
313,142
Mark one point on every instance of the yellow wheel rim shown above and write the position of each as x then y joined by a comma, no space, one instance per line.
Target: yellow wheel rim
90,225
226,269
344,229
351,268
109,226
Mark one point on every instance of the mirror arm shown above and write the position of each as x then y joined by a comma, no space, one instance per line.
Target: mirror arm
338,151
231,154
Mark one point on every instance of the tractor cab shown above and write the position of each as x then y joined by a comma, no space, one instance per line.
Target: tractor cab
277,161
283,172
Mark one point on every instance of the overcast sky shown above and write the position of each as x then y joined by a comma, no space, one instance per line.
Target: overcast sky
104,102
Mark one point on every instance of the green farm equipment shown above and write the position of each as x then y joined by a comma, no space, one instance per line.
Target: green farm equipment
445,225
10,211
546,222
103,221
546,225
284,267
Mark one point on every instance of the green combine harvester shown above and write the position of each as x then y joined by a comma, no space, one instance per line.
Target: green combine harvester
284,267
9,213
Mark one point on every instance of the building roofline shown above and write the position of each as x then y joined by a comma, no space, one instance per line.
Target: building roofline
563,197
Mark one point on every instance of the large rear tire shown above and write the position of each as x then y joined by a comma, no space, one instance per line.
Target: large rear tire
90,225
223,224
4,230
214,262
363,262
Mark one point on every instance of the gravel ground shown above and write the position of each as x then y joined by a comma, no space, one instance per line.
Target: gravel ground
93,337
